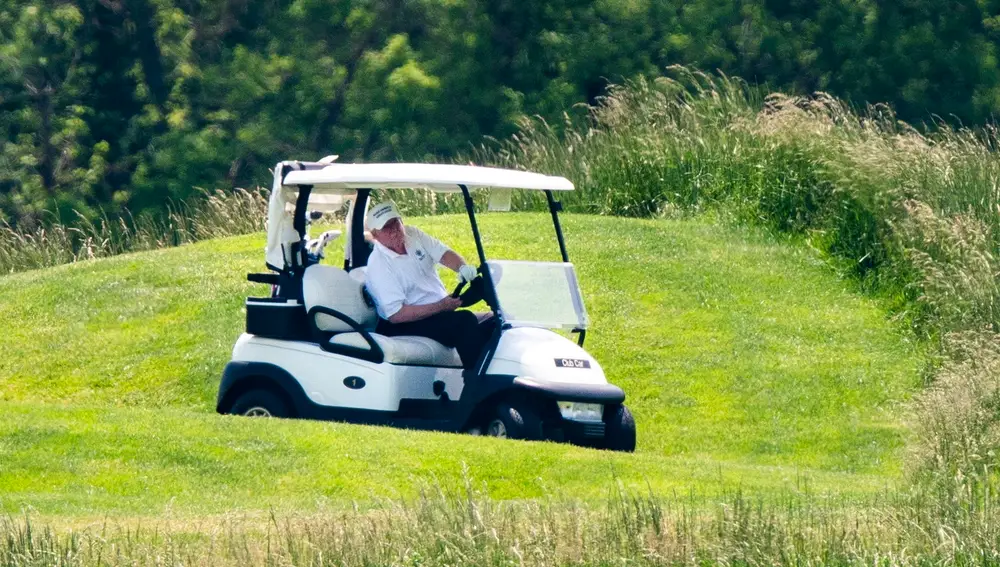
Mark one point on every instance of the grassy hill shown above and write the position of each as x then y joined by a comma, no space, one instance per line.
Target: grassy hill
746,362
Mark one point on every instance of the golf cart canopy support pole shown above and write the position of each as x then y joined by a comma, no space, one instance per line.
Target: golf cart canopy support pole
297,261
301,204
470,208
359,248
554,208
487,355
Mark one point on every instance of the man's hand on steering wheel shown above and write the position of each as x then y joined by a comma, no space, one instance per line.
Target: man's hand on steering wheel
466,274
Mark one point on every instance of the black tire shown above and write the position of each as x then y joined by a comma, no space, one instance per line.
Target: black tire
260,403
519,420
619,429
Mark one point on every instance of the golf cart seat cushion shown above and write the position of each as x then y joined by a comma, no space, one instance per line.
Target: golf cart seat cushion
331,287
359,274
404,349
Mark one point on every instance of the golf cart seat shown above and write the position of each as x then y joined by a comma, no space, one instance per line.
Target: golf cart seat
406,350
343,318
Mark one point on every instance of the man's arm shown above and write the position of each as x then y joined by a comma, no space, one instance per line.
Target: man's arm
410,313
441,253
452,260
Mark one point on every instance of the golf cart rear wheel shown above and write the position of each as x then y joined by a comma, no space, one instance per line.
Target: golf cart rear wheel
619,429
260,403
515,421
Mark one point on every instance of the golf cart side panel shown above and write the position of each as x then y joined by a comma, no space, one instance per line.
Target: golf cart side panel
545,356
321,374
330,379
240,377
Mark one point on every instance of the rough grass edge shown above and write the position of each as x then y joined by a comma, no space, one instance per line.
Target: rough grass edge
466,527
51,242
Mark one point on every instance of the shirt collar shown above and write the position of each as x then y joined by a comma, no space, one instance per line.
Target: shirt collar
390,252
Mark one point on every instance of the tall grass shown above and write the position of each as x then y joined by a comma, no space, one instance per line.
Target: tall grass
913,213
471,529
50,243
918,210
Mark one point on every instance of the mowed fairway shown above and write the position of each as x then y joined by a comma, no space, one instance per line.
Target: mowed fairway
746,362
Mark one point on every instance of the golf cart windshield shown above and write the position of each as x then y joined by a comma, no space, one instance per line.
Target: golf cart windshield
539,294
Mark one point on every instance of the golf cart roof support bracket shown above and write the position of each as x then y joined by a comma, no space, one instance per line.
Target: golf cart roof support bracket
285,170
359,248
554,208
582,337
301,205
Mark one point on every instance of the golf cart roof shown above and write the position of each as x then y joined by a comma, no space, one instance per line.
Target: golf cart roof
332,184
344,178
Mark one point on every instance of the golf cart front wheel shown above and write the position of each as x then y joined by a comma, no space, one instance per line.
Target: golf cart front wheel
515,421
260,403
619,429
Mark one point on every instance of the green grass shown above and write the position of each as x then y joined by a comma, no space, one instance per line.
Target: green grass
746,362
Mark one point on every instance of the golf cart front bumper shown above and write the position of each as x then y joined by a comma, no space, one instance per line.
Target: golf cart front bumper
604,394
581,431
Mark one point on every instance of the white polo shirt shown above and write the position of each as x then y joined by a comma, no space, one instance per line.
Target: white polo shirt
394,280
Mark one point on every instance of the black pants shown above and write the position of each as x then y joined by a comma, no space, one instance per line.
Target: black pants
458,329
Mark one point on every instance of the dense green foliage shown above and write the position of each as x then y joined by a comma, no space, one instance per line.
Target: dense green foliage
106,103
744,360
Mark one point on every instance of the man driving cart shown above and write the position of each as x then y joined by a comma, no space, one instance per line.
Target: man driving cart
409,296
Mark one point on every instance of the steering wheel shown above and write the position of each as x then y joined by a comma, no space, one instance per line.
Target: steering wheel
462,283
496,272
461,286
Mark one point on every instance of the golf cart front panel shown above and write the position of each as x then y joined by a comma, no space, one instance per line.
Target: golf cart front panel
545,356
536,300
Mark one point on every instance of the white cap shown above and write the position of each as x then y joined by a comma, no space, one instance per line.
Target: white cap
380,214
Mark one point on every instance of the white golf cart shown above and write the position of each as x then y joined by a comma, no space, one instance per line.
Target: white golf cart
309,350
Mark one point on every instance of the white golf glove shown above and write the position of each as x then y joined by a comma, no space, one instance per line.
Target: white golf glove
467,272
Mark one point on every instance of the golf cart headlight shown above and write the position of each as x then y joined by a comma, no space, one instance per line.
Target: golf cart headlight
581,412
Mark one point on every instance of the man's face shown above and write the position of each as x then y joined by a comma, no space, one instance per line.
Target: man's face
390,235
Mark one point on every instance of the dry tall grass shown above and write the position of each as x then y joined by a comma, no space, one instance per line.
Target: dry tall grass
471,529
213,215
